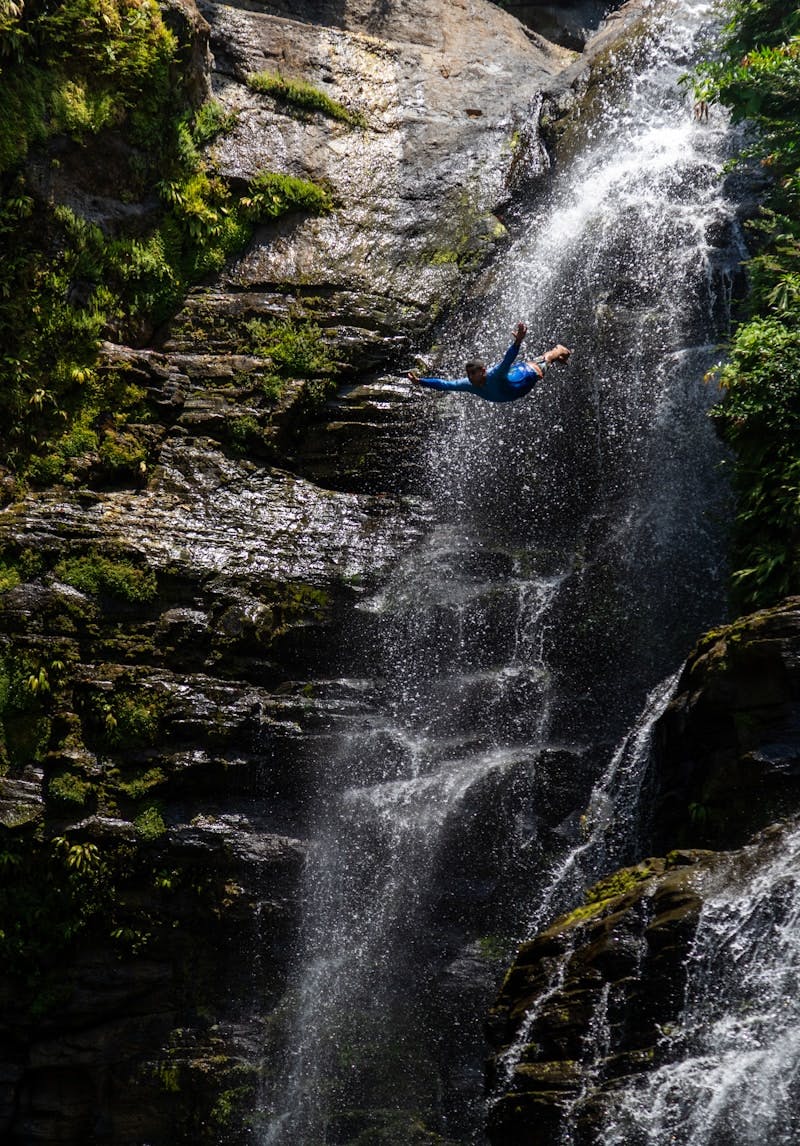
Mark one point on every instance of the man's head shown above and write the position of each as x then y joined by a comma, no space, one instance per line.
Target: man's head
476,371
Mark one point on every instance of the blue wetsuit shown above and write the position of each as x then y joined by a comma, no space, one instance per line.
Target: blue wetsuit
504,381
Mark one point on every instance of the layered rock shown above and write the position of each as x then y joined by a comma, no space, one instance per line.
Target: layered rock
173,626
584,1009
726,753
586,1012
173,618
607,976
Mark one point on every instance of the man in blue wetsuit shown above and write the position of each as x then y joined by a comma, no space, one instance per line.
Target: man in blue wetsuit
503,382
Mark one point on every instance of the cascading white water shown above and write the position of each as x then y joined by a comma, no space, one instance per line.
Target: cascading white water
576,554
611,831
733,1067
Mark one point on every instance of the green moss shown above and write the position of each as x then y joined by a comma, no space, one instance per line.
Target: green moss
150,823
97,575
169,1077
9,577
303,97
122,453
69,788
605,890
30,564
442,258
230,1105
141,785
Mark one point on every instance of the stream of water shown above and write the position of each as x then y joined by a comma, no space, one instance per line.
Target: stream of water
576,554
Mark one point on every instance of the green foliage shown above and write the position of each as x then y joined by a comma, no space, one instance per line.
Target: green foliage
59,886
133,720
271,195
150,823
97,575
295,348
78,68
212,120
69,788
139,786
25,685
242,432
758,77
9,577
303,97
122,453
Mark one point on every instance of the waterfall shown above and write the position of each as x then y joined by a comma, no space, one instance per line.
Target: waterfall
731,1076
611,830
575,553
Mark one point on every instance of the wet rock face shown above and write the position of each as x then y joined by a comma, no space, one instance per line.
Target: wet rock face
584,1009
727,750
171,639
590,1007
584,1003
568,24
441,94
171,636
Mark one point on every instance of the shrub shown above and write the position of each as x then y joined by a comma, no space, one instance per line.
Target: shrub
69,788
9,577
757,76
150,823
295,347
212,120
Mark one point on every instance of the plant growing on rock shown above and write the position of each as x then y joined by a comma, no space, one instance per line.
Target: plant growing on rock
303,97
94,574
270,195
295,348
78,69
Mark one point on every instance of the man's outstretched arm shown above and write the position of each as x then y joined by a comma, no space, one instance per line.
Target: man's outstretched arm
441,383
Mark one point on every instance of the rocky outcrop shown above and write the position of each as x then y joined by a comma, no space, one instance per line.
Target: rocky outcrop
584,1008
726,753
585,1000
418,185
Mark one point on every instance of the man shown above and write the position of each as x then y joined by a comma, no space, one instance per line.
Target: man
503,382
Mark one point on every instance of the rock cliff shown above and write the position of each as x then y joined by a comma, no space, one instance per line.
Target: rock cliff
172,615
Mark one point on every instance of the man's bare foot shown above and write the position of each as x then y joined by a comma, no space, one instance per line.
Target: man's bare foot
558,353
